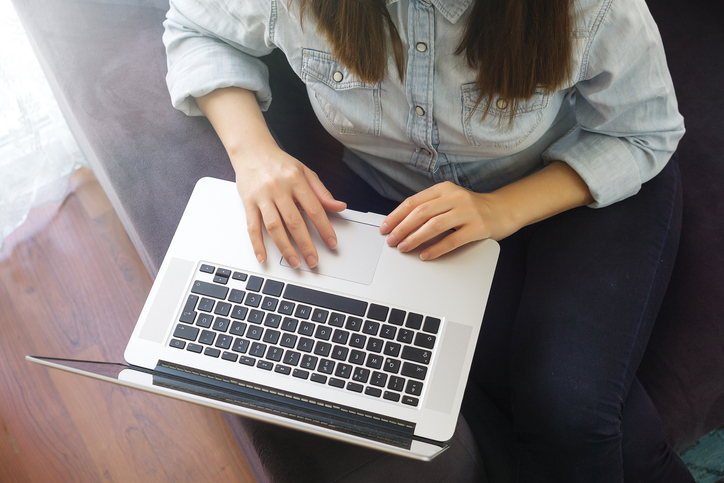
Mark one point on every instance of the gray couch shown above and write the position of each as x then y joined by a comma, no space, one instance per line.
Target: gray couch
106,63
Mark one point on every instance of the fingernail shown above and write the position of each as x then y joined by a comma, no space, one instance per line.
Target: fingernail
402,247
424,256
294,262
331,243
391,240
384,228
311,261
260,258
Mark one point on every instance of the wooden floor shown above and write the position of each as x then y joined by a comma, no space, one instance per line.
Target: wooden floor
72,285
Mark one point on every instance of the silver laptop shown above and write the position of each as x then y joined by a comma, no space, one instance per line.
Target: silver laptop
371,347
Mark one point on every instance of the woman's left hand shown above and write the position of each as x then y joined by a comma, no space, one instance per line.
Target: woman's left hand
443,207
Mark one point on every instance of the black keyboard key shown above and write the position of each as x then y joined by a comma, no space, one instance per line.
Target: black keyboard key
425,340
417,355
247,361
255,316
272,320
323,332
209,289
211,352
224,341
187,317
205,320
336,382
300,374
254,332
388,332
318,378
239,312
252,299
405,336
283,369
322,348
374,361
351,386
223,272
239,276
392,349
303,311
275,354
206,304
236,296
237,328
240,345
413,370
353,323
410,401
221,324
373,391
357,357
220,279
361,374
340,336
375,345
370,327
186,332
320,316
229,356
343,371
396,383
178,344
377,312
358,341
378,379
326,300
257,349
288,340
413,387
266,365
271,336
286,307
254,283
289,324
326,366
392,365
305,344
397,317
391,396
195,348
292,358
336,319
269,303
306,328
340,352
414,321
308,362
272,287
207,337
206,268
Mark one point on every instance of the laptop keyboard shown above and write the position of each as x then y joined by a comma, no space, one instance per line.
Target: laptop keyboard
351,344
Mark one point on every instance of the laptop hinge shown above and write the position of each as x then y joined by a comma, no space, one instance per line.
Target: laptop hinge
310,410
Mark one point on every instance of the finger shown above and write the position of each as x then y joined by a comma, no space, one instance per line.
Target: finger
454,240
324,196
294,223
430,229
314,207
405,208
253,228
275,227
416,219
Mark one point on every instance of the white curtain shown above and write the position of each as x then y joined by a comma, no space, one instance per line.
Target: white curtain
37,151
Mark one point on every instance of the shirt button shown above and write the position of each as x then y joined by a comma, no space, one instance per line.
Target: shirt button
337,76
425,152
420,111
502,103
421,47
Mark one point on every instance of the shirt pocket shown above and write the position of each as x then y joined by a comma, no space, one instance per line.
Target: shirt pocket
349,103
495,130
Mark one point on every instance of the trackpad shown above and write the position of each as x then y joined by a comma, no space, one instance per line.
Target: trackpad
359,246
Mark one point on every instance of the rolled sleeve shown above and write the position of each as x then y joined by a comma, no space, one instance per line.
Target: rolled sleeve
207,50
627,119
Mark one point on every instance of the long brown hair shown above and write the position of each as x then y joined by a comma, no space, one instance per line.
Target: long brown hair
516,46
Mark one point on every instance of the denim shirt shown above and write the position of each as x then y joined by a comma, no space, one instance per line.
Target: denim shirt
615,122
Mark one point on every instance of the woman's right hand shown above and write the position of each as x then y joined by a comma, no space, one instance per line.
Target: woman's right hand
274,187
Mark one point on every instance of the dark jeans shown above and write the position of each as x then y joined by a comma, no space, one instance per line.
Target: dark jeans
570,313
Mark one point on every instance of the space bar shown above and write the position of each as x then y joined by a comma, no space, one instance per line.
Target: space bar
326,300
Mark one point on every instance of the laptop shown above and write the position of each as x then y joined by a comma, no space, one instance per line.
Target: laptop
371,347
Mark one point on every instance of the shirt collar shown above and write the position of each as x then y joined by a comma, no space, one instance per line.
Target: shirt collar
451,9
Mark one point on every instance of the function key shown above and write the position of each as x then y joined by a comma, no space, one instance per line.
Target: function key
397,316
378,312
206,268
272,287
254,283
239,276
432,324
410,401
414,321
195,348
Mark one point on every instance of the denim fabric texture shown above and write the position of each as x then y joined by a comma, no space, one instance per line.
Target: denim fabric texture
616,121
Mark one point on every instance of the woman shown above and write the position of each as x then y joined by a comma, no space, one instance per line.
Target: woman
533,123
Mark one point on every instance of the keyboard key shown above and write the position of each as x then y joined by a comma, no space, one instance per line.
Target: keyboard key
413,387
361,374
272,320
266,365
396,383
286,308
292,358
326,300
414,321
223,272
187,317
271,336
340,336
397,317
270,304
318,378
206,268
224,341
272,287
388,332
237,328
417,355
283,369
255,316
305,344
252,299
336,319
205,320
303,311
221,324
370,327
392,365
306,328
254,283
320,316
206,304
220,279
275,354
209,289
309,362
377,312
378,379
425,340
413,370
375,345
239,276
353,323
357,357
229,356
323,332
289,324
207,337
186,332
405,336
410,401
300,374
240,345
239,312
351,386
211,352
336,382
374,361
340,352
257,349
247,361
392,349
178,344
358,341
254,332
288,340
195,348
391,396
373,391
322,348
343,371
326,366
236,296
